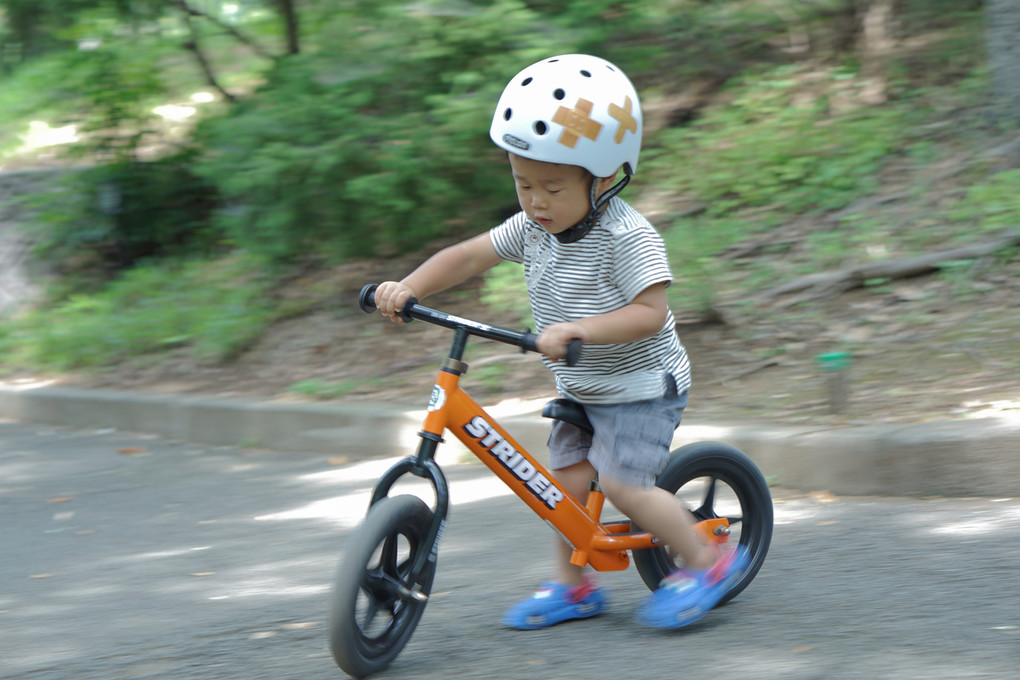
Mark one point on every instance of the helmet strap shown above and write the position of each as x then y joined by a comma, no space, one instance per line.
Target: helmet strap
577,232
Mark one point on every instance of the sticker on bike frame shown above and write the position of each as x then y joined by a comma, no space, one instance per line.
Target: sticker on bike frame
439,537
468,323
438,398
514,461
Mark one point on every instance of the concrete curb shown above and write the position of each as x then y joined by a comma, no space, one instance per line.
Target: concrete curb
956,458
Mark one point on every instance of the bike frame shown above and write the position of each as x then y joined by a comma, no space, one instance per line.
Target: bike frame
602,545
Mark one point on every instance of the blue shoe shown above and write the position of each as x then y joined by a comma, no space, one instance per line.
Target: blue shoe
554,603
685,596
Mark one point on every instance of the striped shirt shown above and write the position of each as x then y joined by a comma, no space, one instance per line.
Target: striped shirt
618,259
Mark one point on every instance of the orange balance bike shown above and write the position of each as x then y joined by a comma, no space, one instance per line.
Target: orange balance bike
385,574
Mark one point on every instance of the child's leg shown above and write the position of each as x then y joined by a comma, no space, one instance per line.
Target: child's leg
569,596
660,512
685,595
575,479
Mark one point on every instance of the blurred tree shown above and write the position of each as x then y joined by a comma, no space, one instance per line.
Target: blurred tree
1002,30
30,28
290,20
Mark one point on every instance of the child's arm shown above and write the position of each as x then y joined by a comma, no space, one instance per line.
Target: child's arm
445,269
641,319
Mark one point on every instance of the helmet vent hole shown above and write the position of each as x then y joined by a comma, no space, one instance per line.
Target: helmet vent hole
559,93
508,114
586,74
540,128
526,81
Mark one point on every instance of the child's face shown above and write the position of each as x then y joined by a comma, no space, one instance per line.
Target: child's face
556,196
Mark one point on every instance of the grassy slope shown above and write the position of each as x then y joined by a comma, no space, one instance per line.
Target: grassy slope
789,170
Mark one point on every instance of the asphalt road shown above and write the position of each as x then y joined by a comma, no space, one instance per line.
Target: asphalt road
127,556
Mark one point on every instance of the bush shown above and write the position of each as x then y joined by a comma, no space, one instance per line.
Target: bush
111,217
363,144
766,148
213,308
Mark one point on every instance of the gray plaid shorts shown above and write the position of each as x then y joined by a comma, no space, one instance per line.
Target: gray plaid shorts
631,440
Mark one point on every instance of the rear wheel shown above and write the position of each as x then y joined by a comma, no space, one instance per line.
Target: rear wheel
715,480
377,600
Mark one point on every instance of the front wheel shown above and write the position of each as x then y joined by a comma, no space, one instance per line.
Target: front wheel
377,600
715,480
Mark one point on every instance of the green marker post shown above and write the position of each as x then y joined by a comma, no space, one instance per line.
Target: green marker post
835,365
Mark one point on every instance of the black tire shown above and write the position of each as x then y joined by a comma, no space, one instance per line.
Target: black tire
376,600
715,480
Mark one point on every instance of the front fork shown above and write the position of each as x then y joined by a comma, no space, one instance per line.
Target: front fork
423,465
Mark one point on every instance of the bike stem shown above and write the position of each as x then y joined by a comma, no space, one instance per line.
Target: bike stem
423,465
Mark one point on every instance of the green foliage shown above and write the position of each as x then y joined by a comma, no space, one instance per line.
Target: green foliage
106,88
120,210
113,84
375,139
111,217
491,377
693,246
213,308
371,145
991,205
33,27
506,291
775,146
775,150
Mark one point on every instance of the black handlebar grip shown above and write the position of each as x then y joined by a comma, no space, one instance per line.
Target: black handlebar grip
574,352
405,311
366,298
528,342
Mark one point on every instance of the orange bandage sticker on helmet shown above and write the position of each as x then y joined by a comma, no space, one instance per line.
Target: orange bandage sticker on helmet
577,123
623,116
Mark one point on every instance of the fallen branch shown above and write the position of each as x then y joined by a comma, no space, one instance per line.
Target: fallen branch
833,283
1010,149
704,318
751,249
743,373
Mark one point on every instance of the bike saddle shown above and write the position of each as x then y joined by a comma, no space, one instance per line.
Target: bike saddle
568,411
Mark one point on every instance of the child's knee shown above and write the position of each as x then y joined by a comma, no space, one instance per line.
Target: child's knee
575,479
622,494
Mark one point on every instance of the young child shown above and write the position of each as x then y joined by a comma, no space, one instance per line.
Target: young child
596,270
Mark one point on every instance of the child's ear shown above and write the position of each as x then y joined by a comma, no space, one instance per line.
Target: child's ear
606,183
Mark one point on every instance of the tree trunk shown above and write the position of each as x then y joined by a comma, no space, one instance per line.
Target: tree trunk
876,48
290,19
1002,37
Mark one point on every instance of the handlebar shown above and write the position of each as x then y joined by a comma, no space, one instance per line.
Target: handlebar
412,310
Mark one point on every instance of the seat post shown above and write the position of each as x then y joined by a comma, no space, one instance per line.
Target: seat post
596,499
593,505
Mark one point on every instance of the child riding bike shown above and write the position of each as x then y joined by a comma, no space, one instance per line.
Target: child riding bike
596,271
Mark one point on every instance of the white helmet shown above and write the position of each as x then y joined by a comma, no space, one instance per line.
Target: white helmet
574,109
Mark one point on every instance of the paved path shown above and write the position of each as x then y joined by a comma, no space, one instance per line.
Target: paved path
134,557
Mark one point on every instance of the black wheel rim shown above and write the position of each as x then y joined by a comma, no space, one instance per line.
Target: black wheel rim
385,606
724,493
714,506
